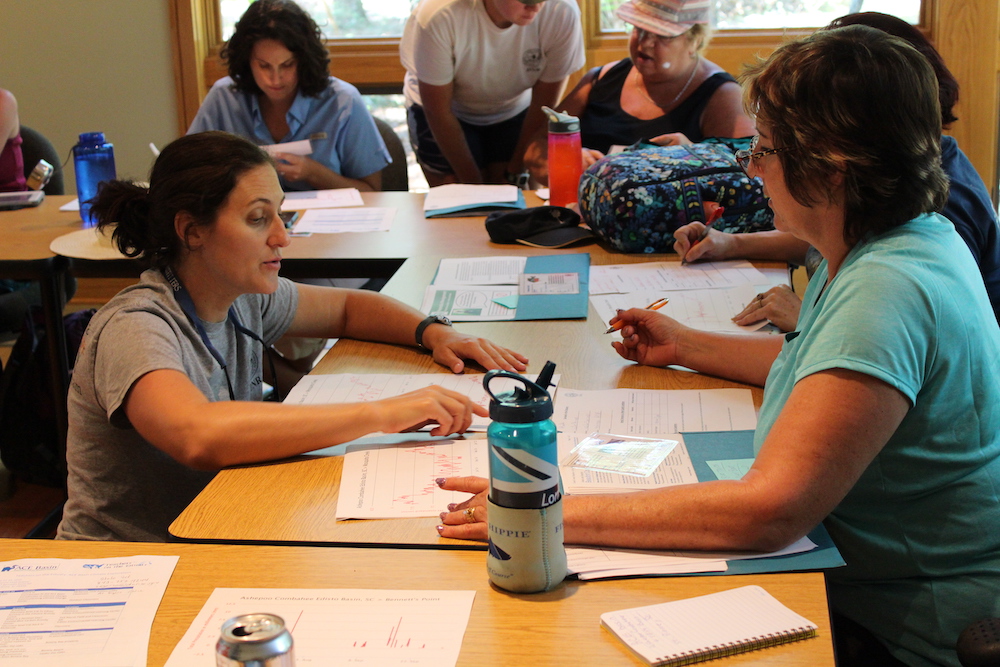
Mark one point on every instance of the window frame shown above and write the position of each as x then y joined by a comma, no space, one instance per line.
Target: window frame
373,64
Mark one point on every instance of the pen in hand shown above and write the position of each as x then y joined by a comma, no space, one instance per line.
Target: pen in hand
656,305
712,219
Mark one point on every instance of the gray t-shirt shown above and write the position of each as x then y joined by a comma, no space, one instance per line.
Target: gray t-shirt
120,486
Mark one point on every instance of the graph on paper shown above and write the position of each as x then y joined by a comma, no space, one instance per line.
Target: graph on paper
342,626
397,481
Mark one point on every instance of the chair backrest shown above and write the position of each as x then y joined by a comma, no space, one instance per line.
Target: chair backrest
394,176
36,147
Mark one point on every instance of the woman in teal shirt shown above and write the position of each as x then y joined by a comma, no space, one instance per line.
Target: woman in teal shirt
881,415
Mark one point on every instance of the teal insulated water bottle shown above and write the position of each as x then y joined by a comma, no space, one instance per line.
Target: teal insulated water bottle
526,553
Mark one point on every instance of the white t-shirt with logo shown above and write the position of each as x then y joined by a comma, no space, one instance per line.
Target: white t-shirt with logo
493,69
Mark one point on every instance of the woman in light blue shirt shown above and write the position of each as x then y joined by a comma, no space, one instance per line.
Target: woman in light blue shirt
279,91
881,414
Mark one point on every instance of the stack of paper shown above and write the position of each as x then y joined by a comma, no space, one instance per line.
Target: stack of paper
461,200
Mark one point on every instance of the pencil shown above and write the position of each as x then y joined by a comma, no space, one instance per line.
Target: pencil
713,218
656,305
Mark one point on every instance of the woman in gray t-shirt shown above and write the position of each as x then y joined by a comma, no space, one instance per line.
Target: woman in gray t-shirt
168,381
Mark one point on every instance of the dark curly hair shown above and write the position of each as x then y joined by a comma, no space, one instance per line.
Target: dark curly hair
285,22
947,83
860,105
194,174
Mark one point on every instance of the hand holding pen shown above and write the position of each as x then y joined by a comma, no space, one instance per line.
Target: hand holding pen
713,217
656,305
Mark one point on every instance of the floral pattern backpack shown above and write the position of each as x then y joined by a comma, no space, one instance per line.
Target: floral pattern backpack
634,200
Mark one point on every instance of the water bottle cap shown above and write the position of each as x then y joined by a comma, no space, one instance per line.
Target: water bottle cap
561,123
91,138
523,405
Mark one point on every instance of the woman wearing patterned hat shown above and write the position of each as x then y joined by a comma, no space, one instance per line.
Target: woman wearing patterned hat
666,89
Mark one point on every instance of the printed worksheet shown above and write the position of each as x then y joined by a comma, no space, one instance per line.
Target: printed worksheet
306,199
341,626
669,276
482,303
397,481
84,612
702,309
652,412
461,194
474,271
338,220
356,388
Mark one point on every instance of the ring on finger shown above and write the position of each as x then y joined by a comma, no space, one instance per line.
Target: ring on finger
760,297
470,514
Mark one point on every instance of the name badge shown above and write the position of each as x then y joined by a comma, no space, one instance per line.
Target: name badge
315,136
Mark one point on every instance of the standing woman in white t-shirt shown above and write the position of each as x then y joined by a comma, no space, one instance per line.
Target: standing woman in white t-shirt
477,74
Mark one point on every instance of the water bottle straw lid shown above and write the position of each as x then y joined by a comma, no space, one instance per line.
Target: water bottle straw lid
560,122
528,403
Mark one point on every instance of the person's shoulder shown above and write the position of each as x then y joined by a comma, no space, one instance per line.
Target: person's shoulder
561,8
339,87
436,10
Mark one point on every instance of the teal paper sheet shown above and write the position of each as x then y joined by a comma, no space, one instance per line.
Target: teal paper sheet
469,211
556,306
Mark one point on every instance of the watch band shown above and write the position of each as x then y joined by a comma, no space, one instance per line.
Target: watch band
433,319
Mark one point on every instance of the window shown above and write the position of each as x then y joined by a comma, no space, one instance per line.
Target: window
338,19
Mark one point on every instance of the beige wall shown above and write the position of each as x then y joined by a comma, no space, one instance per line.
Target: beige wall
92,65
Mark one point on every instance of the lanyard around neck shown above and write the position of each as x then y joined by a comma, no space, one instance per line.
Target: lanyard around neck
186,303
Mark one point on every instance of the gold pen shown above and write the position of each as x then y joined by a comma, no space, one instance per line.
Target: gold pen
656,305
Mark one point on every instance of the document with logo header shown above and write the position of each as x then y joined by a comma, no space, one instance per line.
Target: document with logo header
83,612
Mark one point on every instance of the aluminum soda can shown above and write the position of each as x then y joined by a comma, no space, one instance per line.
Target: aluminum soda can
40,175
254,640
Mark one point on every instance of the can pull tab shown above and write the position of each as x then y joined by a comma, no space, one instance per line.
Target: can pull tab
561,122
253,627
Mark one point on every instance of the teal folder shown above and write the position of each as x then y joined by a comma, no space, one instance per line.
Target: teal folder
556,306
736,445
472,210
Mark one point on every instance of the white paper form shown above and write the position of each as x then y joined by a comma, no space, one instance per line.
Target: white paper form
702,309
303,147
460,194
653,412
341,626
337,220
83,612
596,563
675,469
471,303
357,388
669,276
299,201
476,271
397,481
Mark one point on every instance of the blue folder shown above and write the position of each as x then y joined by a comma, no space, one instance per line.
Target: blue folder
556,306
481,208
734,445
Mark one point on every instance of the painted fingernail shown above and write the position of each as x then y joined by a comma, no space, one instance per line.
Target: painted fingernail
440,529
439,481
452,506
442,516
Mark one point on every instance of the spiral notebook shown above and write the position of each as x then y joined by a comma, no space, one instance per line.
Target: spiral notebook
707,627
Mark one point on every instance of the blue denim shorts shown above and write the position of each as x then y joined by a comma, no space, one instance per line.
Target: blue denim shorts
488,143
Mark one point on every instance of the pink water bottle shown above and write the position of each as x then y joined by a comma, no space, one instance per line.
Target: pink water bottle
565,161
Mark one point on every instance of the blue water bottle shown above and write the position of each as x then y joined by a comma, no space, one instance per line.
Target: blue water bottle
526,553
94,162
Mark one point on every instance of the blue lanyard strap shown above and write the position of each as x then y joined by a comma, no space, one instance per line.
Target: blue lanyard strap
187,305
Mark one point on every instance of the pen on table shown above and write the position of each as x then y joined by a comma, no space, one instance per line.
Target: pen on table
712,219
656,305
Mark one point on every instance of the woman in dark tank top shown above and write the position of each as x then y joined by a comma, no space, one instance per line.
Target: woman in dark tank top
666,90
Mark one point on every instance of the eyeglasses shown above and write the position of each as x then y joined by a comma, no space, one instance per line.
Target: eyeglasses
743,157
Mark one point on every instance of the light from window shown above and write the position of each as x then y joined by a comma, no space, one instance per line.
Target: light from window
777,14
337,18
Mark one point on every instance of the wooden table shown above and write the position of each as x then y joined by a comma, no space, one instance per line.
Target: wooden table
561,627
295,501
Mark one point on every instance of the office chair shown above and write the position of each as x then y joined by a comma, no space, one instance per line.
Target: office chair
36,147
394,176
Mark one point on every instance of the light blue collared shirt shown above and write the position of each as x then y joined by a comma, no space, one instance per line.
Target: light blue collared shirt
342,132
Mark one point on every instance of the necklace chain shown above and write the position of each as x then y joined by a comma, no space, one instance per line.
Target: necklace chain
642,89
